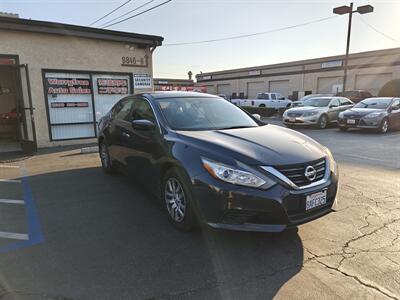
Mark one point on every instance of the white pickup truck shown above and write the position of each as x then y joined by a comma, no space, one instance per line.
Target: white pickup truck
268,100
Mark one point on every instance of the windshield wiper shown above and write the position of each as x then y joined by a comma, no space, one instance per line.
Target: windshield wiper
235,127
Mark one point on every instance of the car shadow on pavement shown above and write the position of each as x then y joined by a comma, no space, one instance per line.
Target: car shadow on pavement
106,238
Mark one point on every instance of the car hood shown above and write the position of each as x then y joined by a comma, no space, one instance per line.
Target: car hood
264,145
303,109
360,112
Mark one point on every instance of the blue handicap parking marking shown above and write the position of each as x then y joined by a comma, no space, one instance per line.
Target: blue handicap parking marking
34,235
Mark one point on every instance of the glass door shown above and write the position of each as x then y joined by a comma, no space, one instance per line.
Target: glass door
26,112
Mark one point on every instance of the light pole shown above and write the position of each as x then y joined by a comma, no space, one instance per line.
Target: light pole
341,10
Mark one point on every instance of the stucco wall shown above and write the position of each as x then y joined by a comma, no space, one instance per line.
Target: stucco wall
45,51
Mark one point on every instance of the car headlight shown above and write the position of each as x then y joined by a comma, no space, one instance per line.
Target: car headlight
310,113
235,176
341,114
373,115
332,163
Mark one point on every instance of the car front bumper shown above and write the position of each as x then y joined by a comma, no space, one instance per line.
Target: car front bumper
372,123
302,121
226,206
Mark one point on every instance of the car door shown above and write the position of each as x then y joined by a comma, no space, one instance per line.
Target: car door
274,101
334,109
144,145
118,128
394,115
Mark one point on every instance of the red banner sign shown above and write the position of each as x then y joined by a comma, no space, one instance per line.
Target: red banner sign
108,86
68,86
200,89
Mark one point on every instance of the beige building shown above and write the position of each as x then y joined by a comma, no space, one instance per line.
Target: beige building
58,80
367,71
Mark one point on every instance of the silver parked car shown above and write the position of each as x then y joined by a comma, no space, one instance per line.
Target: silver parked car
318,111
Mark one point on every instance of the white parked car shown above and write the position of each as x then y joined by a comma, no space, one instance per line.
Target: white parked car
268,100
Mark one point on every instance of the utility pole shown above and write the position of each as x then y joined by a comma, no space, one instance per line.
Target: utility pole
341,10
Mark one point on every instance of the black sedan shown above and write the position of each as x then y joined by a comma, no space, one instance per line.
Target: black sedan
380,113
210,162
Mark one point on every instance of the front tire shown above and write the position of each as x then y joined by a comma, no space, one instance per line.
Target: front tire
323,122
106,162
177,200
384,127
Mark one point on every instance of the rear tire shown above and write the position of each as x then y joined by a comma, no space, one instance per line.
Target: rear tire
261,105
323,122
177,200
106,161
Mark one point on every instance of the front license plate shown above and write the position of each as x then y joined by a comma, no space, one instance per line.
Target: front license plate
293,120
351,121
315,200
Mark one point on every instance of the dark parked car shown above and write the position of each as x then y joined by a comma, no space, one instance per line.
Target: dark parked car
209,161
381,114
356,96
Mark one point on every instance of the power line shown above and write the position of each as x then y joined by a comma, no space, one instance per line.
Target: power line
127,13
106,15
141,13
251,34
378,31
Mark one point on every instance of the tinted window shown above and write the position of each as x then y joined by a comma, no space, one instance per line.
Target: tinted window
263,96
143,111
380,103
273,96
317,102
203,114
123,110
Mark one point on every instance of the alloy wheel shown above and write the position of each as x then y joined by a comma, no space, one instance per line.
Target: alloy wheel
384,126
175,199
323,122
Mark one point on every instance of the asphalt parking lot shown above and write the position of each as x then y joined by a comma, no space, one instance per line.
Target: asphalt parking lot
68,231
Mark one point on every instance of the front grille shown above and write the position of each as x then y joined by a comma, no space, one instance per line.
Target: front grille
293,114
296,172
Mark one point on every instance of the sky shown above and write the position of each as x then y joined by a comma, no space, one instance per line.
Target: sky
196,20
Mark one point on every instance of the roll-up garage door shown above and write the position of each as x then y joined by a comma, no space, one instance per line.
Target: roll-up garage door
224,89
326,84
253,88
210,89
372,82
279,86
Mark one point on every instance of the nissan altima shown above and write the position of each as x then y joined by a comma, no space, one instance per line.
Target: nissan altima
380,114
209,162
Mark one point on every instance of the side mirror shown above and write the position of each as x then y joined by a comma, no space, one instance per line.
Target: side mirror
143,125
256,116
333,105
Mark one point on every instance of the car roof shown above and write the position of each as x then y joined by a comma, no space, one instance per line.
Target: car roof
176,94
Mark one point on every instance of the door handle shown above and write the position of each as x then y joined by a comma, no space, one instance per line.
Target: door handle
125,134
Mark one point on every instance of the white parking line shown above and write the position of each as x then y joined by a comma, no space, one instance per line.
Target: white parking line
10,180
9,201
9,166
14,236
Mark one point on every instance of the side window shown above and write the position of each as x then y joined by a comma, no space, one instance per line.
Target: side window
124,110
143,111
117,107
344,101
396,104
273,96
334,102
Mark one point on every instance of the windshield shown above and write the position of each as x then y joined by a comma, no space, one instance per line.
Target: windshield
203,114
379,103
317,102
